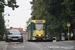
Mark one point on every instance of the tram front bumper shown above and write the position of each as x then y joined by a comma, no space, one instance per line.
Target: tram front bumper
40,38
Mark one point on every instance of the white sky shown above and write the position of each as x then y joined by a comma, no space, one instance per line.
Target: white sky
19,16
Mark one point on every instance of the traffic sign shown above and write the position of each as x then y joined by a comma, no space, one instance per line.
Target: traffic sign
68,24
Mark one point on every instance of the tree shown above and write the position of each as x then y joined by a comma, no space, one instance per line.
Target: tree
2,26
12,4
56,12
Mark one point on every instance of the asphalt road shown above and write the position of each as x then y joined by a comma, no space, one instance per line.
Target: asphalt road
58,45
26,46
41,46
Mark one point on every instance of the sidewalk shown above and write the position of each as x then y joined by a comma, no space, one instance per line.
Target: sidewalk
72,41
2,45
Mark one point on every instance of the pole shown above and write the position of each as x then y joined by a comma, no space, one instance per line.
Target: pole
68,33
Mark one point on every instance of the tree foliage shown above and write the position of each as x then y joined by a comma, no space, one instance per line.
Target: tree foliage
2,26
56,12
2,22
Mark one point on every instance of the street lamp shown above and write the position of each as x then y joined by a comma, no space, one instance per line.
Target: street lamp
7,25
7,20
5,14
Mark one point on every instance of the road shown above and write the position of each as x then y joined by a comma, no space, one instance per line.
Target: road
58,45
41,46
26,46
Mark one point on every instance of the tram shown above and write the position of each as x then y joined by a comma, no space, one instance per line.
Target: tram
36,30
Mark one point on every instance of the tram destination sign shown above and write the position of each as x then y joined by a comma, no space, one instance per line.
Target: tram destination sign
39,21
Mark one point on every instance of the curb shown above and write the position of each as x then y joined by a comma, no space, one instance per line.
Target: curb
68,41
4,47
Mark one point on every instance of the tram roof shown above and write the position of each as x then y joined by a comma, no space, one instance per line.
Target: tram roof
37,21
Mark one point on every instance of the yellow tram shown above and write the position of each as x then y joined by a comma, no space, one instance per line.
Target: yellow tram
36,30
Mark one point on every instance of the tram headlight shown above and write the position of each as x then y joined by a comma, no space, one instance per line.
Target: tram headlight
39,34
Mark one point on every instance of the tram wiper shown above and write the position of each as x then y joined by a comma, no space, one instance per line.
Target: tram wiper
40,29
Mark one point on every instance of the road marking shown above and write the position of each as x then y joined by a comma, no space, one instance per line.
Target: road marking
62,47
18,46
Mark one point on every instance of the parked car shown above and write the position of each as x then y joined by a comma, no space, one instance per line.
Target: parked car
54,39
49,38
14,35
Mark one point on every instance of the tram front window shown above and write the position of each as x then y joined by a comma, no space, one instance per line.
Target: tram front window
39,26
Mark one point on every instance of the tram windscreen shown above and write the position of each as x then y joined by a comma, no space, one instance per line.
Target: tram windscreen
39,26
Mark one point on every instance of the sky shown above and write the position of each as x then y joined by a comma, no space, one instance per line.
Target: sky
19,16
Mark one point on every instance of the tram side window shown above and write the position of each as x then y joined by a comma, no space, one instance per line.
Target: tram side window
43,26
29,27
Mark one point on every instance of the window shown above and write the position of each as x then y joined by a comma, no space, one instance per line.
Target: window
14,32
39,26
